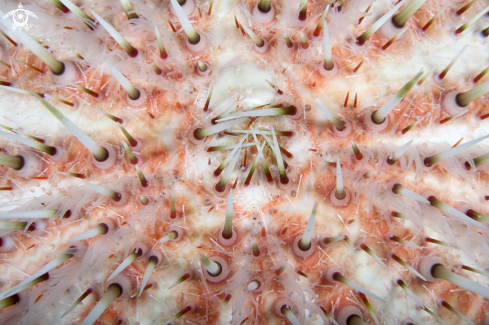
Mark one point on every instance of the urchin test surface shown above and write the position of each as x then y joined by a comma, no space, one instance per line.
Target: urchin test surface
171,162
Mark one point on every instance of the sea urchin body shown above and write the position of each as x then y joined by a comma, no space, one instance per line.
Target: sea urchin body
244,161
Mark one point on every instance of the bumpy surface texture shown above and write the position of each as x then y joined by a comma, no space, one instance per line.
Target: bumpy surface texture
232,162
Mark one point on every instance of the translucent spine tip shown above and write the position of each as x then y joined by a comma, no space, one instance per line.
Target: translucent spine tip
99,152
184,277
130,154
212,267
465,98
77,302
287,311
303,10
258,41
227,232
272,111
333,119
402,17
128,48
399,152
30,143
178,315
456,312
305,241
34,214
409,292
399,189
255,163
85,90
12,225
101,229
77,11
56,67
226,161
340,278
369,308
450,65
152,262
328,56
126,4
321,22
472,21
200,134
280,162
340,189
105,191
455,213
432,20
381,21
45,269
15,162
432,160
114,291
227,172
127,261
170,236
193,36
173,207
379,116
440,271
408,267
132,91
161,46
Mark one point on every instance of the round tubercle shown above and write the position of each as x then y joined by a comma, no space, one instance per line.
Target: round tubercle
194,136
179,231
109,225
426,266
202,68
138,101
138,145
32,165
109,160
59,154
330,274
407,321
372,125
261,49
221,190
227,241
69,214
302,252
70,74
38,227
342,201
450,104
280,305
328,70
264,15
141,249
197,46
122,198
122,283
222,274
155,256
347,314
6,244
345,132
295,113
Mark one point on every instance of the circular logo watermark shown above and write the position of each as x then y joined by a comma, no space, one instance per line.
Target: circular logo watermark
20,16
